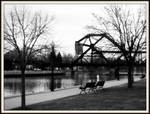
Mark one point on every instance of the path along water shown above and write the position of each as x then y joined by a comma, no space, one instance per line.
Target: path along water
15,102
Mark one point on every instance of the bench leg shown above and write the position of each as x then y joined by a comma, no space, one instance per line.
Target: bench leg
87,91
91,90
95,90
82,91
99,89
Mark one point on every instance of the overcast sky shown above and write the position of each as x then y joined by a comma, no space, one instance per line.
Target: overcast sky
70,20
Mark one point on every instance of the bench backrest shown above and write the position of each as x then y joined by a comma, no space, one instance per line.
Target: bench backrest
100,83
90,84
94,84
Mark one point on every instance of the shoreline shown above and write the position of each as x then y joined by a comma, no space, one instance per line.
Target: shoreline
42,97
8,74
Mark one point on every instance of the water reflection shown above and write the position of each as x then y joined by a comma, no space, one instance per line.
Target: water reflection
12,86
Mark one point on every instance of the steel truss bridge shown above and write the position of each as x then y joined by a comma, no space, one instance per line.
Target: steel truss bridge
89,52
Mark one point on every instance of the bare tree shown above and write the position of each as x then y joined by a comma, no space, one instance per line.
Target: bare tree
67,58
125,31
22,31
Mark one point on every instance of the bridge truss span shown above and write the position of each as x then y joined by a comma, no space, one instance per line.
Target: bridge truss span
98,49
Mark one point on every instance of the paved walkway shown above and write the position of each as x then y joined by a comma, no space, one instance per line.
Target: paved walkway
15,102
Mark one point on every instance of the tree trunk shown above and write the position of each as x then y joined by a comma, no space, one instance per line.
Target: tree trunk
130,76
23,103
52,79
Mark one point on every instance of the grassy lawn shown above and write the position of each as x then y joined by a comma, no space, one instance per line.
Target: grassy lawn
115,98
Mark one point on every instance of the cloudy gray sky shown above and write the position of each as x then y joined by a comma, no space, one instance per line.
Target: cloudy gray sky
70,19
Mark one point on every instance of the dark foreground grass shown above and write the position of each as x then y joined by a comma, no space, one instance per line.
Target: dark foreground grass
115,98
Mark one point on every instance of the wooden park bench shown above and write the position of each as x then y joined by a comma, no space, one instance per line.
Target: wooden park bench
91,87
100,84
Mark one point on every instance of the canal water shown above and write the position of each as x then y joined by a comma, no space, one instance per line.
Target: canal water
12,86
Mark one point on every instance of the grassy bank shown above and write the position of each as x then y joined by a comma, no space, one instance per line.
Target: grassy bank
115,98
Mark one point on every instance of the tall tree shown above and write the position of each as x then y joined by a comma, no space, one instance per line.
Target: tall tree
52,60
22,31
59,59
126,31
11,59
67,58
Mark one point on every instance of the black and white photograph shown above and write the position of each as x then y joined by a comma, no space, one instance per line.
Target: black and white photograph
74,56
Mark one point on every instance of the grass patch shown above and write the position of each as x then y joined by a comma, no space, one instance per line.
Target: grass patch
114,98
